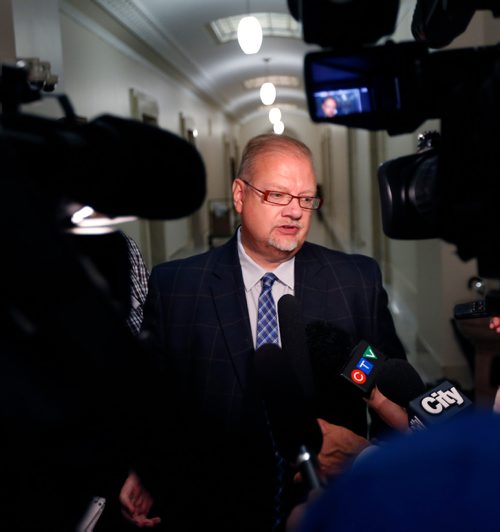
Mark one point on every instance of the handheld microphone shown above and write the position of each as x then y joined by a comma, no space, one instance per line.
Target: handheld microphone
294,342
339,354
295,430
437,406
343,373
399,381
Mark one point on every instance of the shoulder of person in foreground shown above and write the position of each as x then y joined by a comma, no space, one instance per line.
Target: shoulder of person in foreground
443,478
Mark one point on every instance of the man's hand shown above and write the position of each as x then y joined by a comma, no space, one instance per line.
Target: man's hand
495,324
136,502
293,522
340,447
391,413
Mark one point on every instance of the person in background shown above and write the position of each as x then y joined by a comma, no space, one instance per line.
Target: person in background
139,275
218,464
329,107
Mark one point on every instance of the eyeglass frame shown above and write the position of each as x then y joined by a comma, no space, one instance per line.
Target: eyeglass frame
266,193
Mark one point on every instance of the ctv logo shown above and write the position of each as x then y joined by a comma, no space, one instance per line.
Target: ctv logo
364,367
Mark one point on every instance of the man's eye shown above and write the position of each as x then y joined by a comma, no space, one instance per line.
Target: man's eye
276,195
307,200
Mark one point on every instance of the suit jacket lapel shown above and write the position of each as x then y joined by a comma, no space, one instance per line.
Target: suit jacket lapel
311,283
228,293
310,291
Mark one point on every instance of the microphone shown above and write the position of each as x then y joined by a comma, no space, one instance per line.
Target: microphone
344,372
399,381
437,406
337,353
296,432
294,342
118,166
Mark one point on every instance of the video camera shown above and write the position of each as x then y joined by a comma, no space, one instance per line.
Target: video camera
448,191
68,357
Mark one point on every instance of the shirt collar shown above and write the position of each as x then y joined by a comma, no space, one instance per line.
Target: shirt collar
252,272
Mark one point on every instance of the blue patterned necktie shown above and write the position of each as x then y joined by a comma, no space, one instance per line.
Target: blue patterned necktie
267,321
267,333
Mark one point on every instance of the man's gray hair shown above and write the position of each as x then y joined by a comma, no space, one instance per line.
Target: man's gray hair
269,142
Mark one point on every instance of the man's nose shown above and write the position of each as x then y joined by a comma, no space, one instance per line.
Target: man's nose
293,209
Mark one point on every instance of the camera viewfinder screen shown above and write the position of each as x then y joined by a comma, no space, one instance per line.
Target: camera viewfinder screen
359,84
329,103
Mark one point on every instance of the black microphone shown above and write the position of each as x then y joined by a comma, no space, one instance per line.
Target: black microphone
399,381
438,405
118,166
344,372
338,353
296,432
294,342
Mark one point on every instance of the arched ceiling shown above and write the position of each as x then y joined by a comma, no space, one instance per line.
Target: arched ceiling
179,31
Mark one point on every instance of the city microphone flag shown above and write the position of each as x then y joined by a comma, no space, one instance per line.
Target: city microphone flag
440,404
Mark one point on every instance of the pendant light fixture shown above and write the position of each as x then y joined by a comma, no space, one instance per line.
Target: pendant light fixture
267,90
274,115
278,127
249,33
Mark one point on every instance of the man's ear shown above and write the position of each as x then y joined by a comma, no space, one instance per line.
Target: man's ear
238,194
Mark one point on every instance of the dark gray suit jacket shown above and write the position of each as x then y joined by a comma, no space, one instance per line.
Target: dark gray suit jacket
197,319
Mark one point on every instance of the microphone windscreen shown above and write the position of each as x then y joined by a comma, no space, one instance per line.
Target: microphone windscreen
329,347
294,343
292,421
399,381
123,167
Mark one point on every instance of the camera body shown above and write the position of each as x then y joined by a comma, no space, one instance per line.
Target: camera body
450,192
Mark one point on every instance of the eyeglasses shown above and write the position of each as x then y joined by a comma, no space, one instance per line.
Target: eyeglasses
283,198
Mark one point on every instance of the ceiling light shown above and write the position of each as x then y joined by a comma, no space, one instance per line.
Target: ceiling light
279,127
274,115
249,35
267,90
273,25
267,93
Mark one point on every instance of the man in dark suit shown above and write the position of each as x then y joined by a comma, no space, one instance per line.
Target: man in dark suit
201,312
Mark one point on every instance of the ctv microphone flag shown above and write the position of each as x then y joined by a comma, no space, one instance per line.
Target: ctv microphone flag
363,366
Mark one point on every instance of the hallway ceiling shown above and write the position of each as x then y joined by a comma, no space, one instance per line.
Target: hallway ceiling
178,30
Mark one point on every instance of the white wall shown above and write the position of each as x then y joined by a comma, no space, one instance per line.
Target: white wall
99,72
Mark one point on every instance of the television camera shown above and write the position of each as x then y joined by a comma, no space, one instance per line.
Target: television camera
69,361
449,191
